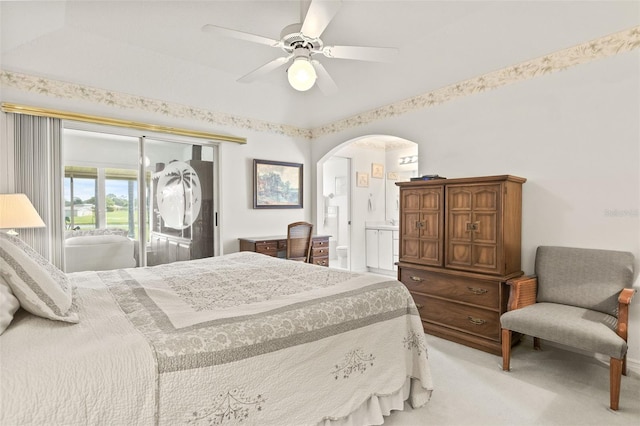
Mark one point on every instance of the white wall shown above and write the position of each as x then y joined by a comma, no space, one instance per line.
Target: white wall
573,134
238,217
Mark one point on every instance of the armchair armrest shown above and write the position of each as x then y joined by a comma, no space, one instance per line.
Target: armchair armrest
624,299
522,292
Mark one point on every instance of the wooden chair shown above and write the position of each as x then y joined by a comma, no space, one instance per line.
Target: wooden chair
577,297
299,241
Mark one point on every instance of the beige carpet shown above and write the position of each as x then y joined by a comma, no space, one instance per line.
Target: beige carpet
551,387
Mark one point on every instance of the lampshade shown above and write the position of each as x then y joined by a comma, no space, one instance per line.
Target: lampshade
301,74
16,211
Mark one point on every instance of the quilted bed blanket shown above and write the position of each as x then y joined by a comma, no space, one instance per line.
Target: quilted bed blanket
236,339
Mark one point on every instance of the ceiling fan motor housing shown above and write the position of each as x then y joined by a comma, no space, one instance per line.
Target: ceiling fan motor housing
292,39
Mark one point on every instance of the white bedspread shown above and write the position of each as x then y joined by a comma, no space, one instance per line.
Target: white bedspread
237,339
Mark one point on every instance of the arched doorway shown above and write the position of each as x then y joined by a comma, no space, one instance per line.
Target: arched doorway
356,189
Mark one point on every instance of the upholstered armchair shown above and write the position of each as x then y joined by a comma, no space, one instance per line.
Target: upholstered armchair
579,298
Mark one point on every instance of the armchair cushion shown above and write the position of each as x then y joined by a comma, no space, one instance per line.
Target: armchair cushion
588,278
569,325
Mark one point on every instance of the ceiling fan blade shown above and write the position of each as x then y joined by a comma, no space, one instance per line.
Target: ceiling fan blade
324,81
226,32
266,68
361,53
320,13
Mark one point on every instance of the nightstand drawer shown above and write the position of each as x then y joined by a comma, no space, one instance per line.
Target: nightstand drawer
465,318
320,252
485,293
321,261
320,242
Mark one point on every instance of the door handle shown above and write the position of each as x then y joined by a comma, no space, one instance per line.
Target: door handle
475,226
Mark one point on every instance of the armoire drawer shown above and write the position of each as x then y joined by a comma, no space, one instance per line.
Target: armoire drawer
480,292
478,321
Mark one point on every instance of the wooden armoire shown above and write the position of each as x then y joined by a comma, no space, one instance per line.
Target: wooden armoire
459,243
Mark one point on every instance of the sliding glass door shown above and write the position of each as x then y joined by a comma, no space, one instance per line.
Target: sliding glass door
113,184
181,201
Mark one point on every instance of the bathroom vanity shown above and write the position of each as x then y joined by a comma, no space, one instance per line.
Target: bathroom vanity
382,247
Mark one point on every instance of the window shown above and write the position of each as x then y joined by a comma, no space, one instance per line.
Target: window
86,209
80,190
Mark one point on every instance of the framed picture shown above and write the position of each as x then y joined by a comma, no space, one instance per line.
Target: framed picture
362,179
277,185
392,175
377,170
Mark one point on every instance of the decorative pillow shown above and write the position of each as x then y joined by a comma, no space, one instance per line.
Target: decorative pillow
8,305
41,288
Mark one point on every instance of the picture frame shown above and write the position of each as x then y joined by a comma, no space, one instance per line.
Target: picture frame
377,170
392,176
362,179
277,185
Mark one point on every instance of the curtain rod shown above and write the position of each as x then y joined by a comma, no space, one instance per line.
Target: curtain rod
94,119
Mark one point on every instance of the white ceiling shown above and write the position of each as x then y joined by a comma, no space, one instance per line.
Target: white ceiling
156,49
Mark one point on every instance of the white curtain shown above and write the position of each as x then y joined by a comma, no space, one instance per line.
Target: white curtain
37,152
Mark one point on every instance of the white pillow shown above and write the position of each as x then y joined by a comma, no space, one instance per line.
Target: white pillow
41,288
8,305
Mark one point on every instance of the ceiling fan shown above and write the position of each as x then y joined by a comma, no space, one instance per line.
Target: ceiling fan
301,42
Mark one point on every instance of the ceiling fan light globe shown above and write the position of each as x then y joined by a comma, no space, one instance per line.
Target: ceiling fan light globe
301,74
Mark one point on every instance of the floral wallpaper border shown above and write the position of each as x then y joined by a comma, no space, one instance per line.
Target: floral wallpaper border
622,41
73,91
606,46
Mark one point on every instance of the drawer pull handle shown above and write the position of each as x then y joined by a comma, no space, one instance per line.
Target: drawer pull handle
419,306
476,290
476,321
414,278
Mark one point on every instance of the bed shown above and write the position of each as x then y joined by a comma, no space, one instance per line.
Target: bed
236,339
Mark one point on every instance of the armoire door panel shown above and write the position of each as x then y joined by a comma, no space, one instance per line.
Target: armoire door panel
459,254
459,229
486,197
411,200
410,249
431,225
485,257
430,252
460,199
486,228
430,200
410,227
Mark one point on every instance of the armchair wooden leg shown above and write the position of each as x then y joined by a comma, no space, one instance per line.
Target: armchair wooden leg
615,377
506,349
536,344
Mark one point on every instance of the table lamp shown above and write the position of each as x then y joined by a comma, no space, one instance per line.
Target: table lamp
16,211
